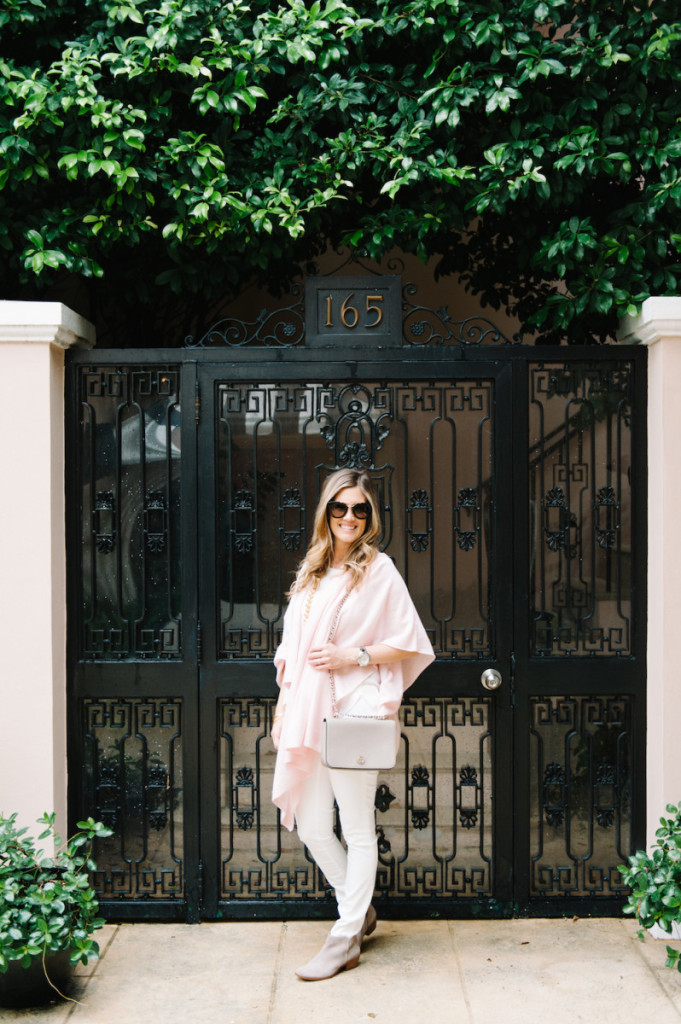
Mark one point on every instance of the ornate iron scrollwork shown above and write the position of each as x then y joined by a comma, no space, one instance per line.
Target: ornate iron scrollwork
158,795
278,328
243,522
155,521
467,518
468,797
422,325
556,532
555,794
420,791
361,428
244,788
285,327
108,793
291,532
384,844
104,521
383,799
420,520
354,456
605,795
606,517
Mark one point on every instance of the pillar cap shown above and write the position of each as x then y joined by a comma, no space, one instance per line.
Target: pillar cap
660,319
50,323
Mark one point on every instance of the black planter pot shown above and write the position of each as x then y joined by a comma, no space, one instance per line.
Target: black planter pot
28,986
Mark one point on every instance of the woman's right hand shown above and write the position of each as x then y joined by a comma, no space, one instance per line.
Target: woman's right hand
276,731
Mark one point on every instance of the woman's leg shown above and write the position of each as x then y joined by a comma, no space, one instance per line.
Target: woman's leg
352,874
315,821
355,793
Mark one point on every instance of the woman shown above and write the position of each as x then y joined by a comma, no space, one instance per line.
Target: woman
378,650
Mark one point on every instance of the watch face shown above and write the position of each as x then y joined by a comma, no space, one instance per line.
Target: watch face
363,657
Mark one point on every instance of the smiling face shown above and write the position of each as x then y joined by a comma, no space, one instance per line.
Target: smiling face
346,531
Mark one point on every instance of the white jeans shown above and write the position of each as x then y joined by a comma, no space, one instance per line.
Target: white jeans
353,873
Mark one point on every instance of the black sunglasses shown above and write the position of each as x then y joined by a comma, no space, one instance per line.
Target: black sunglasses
338,509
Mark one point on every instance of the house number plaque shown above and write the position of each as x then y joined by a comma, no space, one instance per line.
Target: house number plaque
354,311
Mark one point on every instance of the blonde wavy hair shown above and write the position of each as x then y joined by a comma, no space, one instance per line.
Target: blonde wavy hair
320,552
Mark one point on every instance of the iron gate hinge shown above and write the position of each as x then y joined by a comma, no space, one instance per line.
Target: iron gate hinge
197,401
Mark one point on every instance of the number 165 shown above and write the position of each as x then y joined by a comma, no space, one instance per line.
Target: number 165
349,314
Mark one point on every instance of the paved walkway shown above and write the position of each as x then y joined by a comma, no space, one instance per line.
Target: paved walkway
417,972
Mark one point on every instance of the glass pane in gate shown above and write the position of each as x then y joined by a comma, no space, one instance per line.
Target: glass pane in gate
580,814
129,487
133,782
580,505
428,448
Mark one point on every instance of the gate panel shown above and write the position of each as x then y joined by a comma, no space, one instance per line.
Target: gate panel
581,649
132,652
433,811
131,519
133,777
580,752
430,448
580,493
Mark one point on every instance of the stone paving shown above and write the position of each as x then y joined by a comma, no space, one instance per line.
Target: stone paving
420,972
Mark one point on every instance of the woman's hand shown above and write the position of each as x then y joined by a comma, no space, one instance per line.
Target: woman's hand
330,657
275,732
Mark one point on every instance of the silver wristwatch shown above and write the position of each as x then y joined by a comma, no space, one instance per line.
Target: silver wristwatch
363,658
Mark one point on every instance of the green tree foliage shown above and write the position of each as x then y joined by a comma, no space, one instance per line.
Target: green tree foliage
169,150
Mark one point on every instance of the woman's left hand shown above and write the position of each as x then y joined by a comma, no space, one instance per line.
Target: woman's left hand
330,657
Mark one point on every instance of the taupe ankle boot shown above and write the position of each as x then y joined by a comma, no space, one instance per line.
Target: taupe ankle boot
336,953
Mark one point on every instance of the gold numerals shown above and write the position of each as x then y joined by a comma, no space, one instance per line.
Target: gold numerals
350,315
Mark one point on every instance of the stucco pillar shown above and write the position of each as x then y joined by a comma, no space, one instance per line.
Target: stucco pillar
33,339
659,327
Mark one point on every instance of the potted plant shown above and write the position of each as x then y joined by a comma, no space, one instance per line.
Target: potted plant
48,909
655,882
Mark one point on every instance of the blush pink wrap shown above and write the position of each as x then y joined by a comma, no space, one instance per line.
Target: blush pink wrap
378,611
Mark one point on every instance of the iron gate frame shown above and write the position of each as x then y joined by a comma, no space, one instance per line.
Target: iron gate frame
192,678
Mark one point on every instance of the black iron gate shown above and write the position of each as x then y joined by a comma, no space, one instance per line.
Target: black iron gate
512,482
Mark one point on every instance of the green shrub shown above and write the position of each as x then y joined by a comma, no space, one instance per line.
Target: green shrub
655,881
47,903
